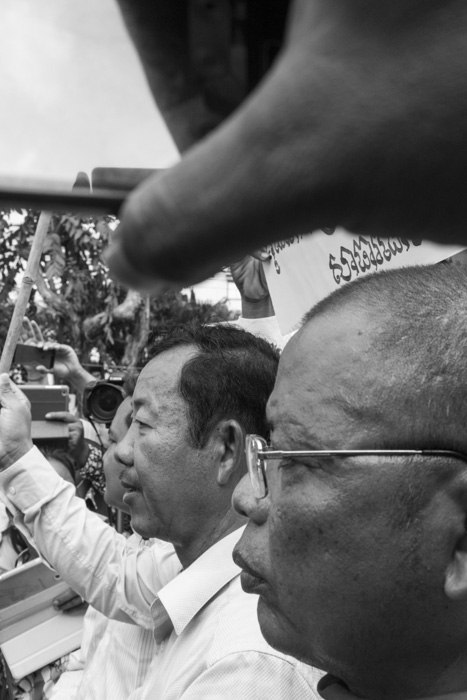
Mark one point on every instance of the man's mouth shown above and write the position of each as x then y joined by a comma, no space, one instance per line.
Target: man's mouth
251,581
128,484
128,487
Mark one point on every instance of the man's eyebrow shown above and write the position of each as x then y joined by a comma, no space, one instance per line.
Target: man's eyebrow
136,403
150,407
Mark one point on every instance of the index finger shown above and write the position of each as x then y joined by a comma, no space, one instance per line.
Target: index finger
27,332
38,337
64,416
123,271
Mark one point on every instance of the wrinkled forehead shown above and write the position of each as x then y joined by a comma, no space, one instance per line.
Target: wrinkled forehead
166,366
160,379
319,399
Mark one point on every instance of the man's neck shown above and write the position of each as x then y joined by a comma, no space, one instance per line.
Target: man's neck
446,686
204,540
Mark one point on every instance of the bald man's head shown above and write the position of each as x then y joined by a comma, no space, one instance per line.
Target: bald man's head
409,330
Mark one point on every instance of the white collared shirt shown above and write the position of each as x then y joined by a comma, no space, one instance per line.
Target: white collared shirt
216,649
113,660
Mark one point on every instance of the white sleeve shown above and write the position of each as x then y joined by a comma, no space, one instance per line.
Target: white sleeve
116,577
94,627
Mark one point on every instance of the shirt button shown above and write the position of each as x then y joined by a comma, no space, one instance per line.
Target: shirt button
12,491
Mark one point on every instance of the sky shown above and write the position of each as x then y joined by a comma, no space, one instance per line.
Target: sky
74,98
73,94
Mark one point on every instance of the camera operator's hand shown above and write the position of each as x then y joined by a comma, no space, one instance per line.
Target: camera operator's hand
67,367
249,277
31,334
15,423
77,445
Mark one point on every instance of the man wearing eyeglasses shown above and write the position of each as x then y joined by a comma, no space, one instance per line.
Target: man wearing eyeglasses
357,541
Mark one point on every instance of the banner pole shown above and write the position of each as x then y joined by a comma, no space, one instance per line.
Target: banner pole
29,278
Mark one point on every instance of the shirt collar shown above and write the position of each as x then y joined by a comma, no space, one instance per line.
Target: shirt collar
187,593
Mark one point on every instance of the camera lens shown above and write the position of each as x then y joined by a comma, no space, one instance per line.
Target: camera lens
102,401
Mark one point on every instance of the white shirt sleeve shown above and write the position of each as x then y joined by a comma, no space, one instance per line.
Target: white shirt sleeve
116,577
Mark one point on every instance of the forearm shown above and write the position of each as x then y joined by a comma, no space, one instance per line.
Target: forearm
119,580
80,378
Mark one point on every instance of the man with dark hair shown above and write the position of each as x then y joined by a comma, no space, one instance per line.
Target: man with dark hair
181,459
357,539
230,375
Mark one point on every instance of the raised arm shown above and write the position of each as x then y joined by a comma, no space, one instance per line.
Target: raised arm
116,577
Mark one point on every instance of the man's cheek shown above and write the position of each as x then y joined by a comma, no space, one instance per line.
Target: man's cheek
291,529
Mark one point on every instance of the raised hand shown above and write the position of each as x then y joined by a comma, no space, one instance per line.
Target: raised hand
15,423
31,334
248,275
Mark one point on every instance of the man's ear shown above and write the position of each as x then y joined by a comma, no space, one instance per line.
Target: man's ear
455,583
231,450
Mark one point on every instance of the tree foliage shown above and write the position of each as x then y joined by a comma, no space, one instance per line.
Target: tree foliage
75,301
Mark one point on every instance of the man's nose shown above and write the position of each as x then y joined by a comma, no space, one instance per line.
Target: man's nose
245,502
124,449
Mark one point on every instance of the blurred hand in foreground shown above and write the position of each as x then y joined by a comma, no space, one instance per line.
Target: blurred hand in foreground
331,135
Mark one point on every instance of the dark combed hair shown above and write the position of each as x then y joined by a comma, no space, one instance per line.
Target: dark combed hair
417,322
230,377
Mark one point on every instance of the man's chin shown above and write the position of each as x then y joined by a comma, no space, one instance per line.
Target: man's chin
116,503
270,626
278,632
139,526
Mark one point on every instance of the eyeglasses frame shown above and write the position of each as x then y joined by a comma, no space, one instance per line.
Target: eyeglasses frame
264,455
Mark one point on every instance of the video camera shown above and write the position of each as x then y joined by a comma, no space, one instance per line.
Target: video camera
102,398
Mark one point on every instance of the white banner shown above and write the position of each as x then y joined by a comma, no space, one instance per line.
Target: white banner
306,268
